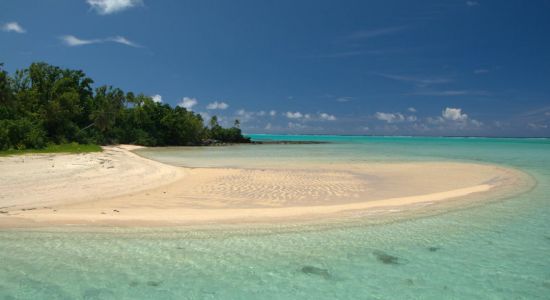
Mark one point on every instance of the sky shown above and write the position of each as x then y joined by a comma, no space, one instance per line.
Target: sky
392,67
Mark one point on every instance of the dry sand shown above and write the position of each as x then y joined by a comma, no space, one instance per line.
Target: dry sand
118,187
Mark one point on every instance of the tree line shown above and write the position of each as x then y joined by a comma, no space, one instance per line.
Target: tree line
45,104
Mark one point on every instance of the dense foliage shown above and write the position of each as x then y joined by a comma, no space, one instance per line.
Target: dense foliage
44,104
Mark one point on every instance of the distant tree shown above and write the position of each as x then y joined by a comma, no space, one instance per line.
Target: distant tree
214,122
107,106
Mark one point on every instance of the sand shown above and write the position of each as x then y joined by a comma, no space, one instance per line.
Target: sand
117,187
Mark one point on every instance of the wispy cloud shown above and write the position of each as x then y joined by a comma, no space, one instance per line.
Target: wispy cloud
535,116
73,41
472,3
372,33
106,7
481,71
122,40
537,126
450,93
419,81
344,99
339,54
13,27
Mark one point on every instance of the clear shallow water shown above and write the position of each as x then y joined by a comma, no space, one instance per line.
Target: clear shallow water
496,251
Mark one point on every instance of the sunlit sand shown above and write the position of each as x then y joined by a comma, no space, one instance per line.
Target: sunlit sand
118,187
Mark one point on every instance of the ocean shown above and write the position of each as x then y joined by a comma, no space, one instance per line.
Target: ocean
497,250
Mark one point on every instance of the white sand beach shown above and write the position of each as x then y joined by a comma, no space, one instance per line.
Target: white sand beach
118,187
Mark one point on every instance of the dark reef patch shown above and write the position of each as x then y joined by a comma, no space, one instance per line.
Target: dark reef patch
154,283
315,271
433,248
386,258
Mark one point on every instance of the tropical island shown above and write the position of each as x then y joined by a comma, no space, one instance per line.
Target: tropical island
274,149
56,109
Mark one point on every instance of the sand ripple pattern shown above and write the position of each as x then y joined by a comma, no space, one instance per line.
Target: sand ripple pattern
284,188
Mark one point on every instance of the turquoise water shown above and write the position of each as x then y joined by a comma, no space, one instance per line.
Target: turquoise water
496,251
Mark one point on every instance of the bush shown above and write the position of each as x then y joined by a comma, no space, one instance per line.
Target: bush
22,134
5,143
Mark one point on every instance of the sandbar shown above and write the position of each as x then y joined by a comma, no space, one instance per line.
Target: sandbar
117,187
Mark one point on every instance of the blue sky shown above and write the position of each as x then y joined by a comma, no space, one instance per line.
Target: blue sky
337,67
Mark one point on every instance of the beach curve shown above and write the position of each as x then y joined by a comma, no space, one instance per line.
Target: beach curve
118,187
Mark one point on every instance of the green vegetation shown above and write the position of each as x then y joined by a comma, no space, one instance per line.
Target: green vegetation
44,105
53,148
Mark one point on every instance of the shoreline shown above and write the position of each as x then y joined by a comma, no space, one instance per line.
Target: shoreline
137,191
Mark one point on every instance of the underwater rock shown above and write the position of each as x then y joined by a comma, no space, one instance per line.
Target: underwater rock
316,271
153,283
433,248
386,258
133,283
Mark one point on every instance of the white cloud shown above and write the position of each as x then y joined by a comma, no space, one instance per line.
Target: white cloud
411,109
206,116
245,116
390,117
217,105
122,40
105,7
537,126
13,27
308,117
327,117
294,115
472,3
454,118
268,126
272,113
73,41
157,98
476,123
454,114
188,102
395,117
